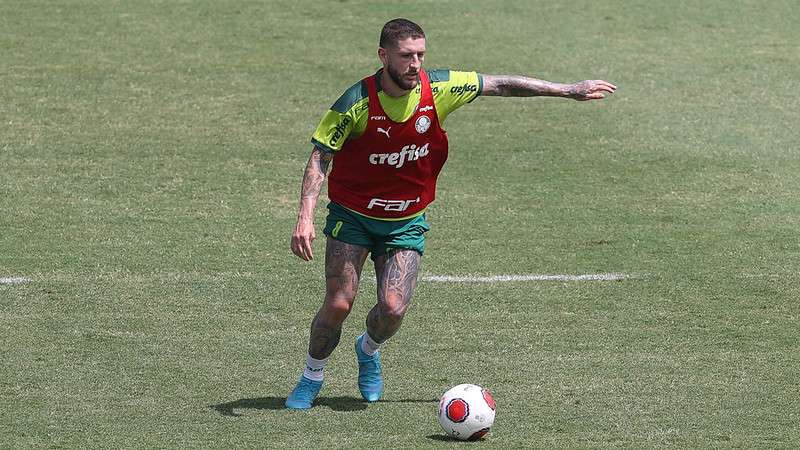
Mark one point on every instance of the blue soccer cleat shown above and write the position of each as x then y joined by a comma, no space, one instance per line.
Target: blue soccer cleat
303,394
370,380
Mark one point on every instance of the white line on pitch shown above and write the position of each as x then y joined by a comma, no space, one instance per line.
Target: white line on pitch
511,278
14,280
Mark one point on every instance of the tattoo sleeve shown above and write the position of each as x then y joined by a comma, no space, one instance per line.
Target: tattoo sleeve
314,176
343,264
397,278
400,274
519,86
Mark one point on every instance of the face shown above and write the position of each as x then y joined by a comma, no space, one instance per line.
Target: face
403,62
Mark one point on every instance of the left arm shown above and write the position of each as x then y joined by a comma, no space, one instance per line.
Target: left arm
519,86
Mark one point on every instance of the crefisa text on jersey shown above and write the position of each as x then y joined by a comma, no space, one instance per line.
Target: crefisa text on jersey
458,90
339,130
398,159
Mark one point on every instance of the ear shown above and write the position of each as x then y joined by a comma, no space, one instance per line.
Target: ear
382,55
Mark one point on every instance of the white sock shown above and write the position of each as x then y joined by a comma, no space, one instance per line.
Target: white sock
368,345
315,368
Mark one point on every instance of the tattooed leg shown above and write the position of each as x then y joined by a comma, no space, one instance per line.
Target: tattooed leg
343,264
397,277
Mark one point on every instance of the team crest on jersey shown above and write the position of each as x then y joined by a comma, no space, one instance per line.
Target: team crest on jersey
422,124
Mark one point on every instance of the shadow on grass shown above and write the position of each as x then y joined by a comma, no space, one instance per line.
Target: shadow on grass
343,404
335,403
442,438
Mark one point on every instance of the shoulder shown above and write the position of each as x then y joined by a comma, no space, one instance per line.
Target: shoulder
351,97
453,89
345,119
438,75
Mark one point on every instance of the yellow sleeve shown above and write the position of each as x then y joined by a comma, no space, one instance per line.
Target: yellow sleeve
346,119
453,89
332,131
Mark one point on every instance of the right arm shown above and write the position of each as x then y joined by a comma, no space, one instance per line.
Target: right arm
314,176
520,86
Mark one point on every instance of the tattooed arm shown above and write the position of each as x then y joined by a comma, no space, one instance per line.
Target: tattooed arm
313,178
519,86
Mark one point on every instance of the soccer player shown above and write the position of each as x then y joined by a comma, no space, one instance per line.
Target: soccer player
385,138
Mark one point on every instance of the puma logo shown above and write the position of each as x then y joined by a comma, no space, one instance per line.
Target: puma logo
425,108
386,131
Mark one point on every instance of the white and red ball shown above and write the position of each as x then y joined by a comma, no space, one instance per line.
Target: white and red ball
466,412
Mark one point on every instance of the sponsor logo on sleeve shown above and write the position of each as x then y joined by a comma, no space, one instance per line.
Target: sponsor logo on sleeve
466,88
338,130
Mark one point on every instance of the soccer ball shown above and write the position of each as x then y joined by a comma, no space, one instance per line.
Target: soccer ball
466,412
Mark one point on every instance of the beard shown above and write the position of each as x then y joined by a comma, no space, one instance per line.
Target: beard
399,79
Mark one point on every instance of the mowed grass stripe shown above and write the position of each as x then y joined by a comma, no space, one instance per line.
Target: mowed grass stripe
14,280
516,278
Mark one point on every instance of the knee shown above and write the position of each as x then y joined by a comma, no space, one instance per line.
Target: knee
340,295
393,308
338,306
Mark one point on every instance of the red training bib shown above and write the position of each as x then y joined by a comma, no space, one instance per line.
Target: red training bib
390,171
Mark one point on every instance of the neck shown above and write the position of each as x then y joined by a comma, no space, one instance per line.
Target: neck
390,87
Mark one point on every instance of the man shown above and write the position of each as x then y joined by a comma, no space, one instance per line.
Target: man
384,135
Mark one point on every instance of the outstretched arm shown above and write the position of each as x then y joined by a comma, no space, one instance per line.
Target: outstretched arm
313,178
519,86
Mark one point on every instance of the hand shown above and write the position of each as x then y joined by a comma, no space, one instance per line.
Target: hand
302,238
590,90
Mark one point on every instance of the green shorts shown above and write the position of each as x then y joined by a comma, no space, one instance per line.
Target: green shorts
379,236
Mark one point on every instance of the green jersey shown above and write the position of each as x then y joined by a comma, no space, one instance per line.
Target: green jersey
347,118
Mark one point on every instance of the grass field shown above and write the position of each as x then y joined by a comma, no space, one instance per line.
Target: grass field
150,162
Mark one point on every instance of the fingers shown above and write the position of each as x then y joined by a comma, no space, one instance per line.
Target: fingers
605,86
301,246
302,237
296,247
596,90
595,96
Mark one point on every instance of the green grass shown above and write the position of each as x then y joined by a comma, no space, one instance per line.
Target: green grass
150,162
